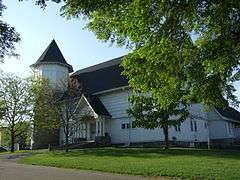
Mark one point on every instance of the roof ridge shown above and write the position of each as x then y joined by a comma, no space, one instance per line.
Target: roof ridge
99,66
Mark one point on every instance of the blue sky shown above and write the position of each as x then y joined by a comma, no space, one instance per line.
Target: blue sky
38,27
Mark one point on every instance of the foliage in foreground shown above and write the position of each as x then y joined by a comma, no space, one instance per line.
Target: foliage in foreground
8,37
185,163
45,118
191,46
23,139
15,105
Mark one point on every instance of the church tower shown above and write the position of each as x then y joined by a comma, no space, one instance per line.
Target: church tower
53,66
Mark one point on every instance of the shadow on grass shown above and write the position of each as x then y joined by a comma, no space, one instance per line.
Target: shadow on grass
151,153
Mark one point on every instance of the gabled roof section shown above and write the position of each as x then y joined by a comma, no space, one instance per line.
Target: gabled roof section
101,77
229,113
98,106
92,101
52,54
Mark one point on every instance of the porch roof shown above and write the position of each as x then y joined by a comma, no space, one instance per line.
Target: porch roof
97,105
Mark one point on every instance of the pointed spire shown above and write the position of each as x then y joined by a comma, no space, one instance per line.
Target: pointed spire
52,54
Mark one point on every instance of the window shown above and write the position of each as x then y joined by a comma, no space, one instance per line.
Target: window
193,125
229,127
125,126
205,125
178,128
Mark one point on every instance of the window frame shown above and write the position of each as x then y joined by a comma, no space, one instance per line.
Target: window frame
195,126
178,128
125,125
191,125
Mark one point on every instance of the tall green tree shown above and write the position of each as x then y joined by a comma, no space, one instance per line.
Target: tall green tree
23,139
148,114
192,45
8,37
45,116
68,109
16,100
56,111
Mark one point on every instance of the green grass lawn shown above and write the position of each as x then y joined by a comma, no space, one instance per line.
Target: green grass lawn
184,163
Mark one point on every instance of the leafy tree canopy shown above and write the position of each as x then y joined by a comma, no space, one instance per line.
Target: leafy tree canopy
45,116
16,104
8,37
192,46
23,138
43,105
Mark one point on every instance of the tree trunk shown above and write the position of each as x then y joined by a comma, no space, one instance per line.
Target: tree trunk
12,141
66,143
67,134
165,131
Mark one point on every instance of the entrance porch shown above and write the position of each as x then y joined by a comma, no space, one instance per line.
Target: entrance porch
89,130
93,120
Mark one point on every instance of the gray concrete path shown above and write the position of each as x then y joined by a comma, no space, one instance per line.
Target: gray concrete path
10,170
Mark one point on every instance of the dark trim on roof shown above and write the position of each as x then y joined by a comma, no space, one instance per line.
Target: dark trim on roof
112,62
229,113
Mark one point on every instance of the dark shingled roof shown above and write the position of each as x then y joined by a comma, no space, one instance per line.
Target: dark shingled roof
107,75
230,113
52,54
97,106
101,77
93,100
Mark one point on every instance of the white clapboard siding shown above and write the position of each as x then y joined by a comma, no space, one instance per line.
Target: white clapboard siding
56,74
117,104
145,135
187,134
237,132
221,129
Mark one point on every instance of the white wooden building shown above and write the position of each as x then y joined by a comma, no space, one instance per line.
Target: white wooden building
106,94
